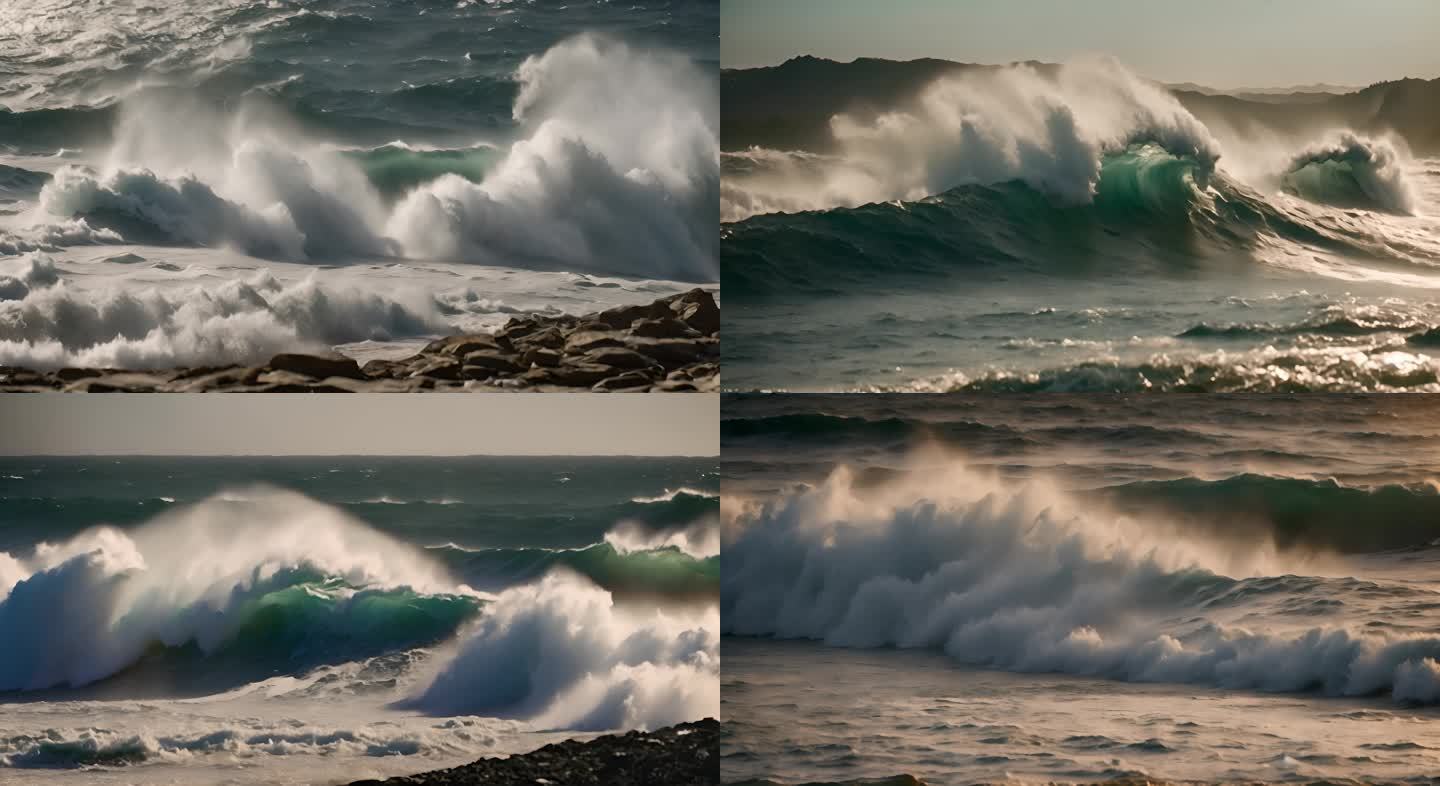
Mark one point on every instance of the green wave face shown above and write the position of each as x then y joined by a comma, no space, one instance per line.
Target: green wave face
394,170
664,572
328,614
293,621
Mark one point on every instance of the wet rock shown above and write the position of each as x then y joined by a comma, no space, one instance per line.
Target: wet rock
118,383
440,367
667,327
548,338
618,357
493,361
669,344
683,755
697,309
630,380
585,340
569,374
622,317
317,366
673,353
460,346
542,357
73,374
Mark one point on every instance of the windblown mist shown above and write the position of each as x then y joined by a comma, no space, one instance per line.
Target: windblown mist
934,226
218,181
1080,588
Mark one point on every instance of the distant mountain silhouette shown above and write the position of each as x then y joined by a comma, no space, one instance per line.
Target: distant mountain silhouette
789,106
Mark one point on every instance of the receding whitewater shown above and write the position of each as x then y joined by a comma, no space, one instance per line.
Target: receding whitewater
321,620
218,181
1080,588
1079,230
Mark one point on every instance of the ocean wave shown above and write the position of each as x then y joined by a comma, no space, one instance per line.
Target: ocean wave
397,168
1022,577
648,564
282,583
1321,369
583,104
1298,512
1351,171
248,178
242,739
47,323
831,429
1330,322
1022,169
580,662
1051,132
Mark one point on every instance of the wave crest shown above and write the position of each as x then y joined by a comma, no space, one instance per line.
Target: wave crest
1023,578
1050,132
252,580
47,323
1352,171
579,662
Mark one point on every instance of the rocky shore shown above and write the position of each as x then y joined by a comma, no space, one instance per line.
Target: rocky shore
670,345
684,755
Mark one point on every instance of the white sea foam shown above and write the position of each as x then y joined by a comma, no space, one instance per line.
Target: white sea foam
574,660
616,171
46,323
81,610
1019,576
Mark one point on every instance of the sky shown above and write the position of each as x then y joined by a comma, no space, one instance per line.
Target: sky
387,424
1220,43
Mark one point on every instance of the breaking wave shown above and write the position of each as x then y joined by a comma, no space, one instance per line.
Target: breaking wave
1018,168
280,583
1352,172
47,323
580,662
1021,577
616,171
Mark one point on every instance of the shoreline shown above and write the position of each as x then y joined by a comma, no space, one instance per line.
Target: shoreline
670,345
687,754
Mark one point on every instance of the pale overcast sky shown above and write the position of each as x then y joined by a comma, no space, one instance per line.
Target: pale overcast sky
217,424
1221,43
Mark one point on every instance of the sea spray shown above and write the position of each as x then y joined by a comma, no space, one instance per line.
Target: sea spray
1352,171
582,106
254,181
1021,577
578,661
44,323
210,575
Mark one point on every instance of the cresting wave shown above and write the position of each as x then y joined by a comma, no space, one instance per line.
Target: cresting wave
1353,172
293,587
580,662
244,181
278,572
47,323
1021,577
1019,166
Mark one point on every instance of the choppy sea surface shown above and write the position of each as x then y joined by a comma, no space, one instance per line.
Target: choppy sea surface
321,620
209,182
1080,588
1081,231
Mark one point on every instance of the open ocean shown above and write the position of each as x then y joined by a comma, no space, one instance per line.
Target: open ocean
1079,229
321,620
216,181
1081,588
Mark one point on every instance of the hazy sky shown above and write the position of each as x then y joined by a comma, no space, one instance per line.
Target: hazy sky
377,424
1221,43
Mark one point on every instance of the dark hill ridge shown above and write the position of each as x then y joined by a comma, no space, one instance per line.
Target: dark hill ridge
789,106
